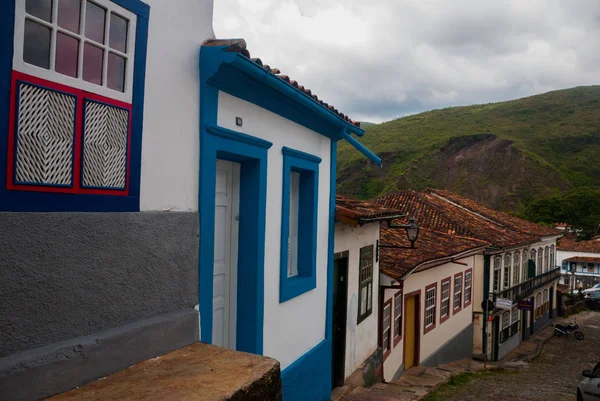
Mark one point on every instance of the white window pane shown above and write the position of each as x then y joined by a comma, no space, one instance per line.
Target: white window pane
115,75
118,33
39,8
67,55
93,59
68,14
293,224
36,46
94,22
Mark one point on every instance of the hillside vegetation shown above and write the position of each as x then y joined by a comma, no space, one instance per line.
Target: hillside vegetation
506,155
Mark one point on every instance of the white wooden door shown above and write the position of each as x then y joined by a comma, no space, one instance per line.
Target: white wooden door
225,264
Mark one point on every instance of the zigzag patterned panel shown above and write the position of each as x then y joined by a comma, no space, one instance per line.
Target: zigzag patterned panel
104,146
45,133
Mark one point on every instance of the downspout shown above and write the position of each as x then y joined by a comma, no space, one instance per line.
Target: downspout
361,148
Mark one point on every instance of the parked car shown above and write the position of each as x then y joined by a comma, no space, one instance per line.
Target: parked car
589,388
592,289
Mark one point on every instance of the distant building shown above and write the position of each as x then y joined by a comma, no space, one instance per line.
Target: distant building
579,262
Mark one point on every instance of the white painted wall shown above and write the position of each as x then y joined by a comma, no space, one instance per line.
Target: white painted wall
562,255
294,327
361,339
431,341
170,139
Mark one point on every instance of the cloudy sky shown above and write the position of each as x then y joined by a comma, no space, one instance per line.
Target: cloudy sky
377,60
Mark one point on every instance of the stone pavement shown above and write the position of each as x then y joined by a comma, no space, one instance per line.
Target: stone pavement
415,383
552,376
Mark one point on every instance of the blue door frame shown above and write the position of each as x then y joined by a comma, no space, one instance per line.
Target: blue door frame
251,153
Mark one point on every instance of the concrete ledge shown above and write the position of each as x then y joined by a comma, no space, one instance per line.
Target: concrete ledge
58,367
199,372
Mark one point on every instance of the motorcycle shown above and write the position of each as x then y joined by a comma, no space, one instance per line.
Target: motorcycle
566,329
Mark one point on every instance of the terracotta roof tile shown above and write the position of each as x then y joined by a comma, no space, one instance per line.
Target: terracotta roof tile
239,46
583,259
504,219
431,245
434,213
567,244
355,211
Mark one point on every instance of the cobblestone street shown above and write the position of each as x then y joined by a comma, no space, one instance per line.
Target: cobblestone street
554,375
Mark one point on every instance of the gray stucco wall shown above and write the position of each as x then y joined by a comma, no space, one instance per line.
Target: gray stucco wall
541,322
458,347
508,345
66,275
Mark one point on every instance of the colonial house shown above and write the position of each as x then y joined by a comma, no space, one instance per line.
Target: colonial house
158,187
517,274
357,357
579,262
427,296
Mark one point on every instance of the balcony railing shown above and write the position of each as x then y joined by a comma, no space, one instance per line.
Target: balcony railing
526,288
580,273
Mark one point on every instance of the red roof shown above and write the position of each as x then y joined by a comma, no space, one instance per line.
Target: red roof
437,213
430,246
567,244
354,211
583,259
239,46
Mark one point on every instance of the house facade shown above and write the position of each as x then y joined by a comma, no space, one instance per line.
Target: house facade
579,262
158,187
357,357
518,266
427,299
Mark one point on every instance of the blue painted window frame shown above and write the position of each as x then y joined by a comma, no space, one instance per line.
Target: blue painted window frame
26,201
308,167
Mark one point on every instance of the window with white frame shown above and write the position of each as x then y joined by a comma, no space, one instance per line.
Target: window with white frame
552,265
365,291
506,274
540,262
546,259
524,264
545,307
445,302
457,292
497,271
85,44
505,321
468,284
514,321
430,298
398,315
532,257
293,224
538,306
387,311
516,267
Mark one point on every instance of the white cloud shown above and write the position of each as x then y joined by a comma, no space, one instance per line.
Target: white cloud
382,59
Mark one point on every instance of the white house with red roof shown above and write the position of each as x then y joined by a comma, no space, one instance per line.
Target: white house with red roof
158,187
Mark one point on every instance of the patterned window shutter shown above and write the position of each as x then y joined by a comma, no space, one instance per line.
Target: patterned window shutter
45,136
104,146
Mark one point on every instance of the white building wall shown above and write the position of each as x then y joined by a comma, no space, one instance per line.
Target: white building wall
562,255
170,138
361,339
431,341
294,327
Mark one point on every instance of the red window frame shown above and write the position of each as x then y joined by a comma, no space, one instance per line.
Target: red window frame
450,304
462,286
465,303
398,335
427,288
81,96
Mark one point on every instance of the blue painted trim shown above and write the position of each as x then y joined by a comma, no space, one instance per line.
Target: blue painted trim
28,201
300,155
7,26
309,377
238,136
219,143
306,280
85,102
361,148
331,240
16,141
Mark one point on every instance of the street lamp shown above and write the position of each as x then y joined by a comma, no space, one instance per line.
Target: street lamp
412,233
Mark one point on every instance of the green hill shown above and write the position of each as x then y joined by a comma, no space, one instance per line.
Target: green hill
504,154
